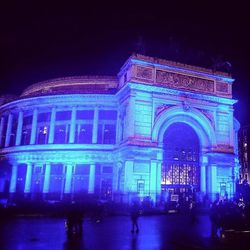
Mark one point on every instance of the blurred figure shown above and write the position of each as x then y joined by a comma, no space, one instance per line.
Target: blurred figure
74,221
193,211
215,216
134,215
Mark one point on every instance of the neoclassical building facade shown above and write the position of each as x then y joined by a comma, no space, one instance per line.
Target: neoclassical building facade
158,126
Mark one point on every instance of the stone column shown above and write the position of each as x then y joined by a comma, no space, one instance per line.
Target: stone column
1,131
153,179
19,128
72,126
118,125
68,181
91,187
130,116
213,179
27,187
128,175
8,131
52,126
95,126
13,178
158,182
46,178
34,127
203,179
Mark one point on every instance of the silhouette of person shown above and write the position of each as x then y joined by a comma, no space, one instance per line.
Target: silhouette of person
74,221
134,215
215,216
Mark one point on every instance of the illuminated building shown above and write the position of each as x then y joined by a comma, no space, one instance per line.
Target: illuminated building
158,126
244,153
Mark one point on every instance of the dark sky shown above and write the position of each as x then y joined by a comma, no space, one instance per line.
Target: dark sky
56,38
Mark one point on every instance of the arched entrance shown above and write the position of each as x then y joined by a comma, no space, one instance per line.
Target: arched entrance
181,154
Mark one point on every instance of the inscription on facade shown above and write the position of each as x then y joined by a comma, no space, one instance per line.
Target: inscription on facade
174,80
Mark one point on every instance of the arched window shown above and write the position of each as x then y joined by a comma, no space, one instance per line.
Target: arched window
180,169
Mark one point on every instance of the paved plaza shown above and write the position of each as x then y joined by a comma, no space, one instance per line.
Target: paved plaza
171,231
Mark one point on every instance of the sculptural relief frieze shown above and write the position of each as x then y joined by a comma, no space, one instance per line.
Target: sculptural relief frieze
174,80
222,87
143,72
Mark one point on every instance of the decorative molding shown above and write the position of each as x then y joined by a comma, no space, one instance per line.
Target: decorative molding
199,96
222,87
144,73
174,80
209,116
223,148
160,109
186,106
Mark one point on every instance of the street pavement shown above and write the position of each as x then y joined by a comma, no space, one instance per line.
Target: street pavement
170,232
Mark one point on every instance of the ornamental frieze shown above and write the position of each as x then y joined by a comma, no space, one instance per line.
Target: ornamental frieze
222,87
174,80
223,148
145,73
160,109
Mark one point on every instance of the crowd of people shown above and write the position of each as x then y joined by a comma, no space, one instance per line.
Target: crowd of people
229,214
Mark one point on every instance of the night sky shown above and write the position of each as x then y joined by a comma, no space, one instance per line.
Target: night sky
48,40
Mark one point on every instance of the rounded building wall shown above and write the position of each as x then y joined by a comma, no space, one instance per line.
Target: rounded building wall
59,145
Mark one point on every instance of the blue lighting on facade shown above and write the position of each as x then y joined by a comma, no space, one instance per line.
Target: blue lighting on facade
180,69
106,137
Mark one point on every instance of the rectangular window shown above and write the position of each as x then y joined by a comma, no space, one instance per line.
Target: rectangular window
26,133
107,170
106,134
140,186
61,135
43,117
43,134
57,169
26,130
82,169
84,133
13,131
21,177
84,114
3,132
63,115
108,115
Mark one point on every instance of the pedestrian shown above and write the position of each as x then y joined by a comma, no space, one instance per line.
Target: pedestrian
134,215
74,221
192,211
215,216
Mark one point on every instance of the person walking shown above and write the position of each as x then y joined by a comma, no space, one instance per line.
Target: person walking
134,215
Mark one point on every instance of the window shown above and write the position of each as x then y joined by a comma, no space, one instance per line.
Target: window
84,126
106,134
43,122
81,178
57,178
84,133
26,130
61,134
43,134
181,157
13,131
62,127
3,132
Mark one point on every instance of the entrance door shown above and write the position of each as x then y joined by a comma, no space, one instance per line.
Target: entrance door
180,169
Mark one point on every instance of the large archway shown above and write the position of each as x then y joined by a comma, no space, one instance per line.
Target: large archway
181,159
